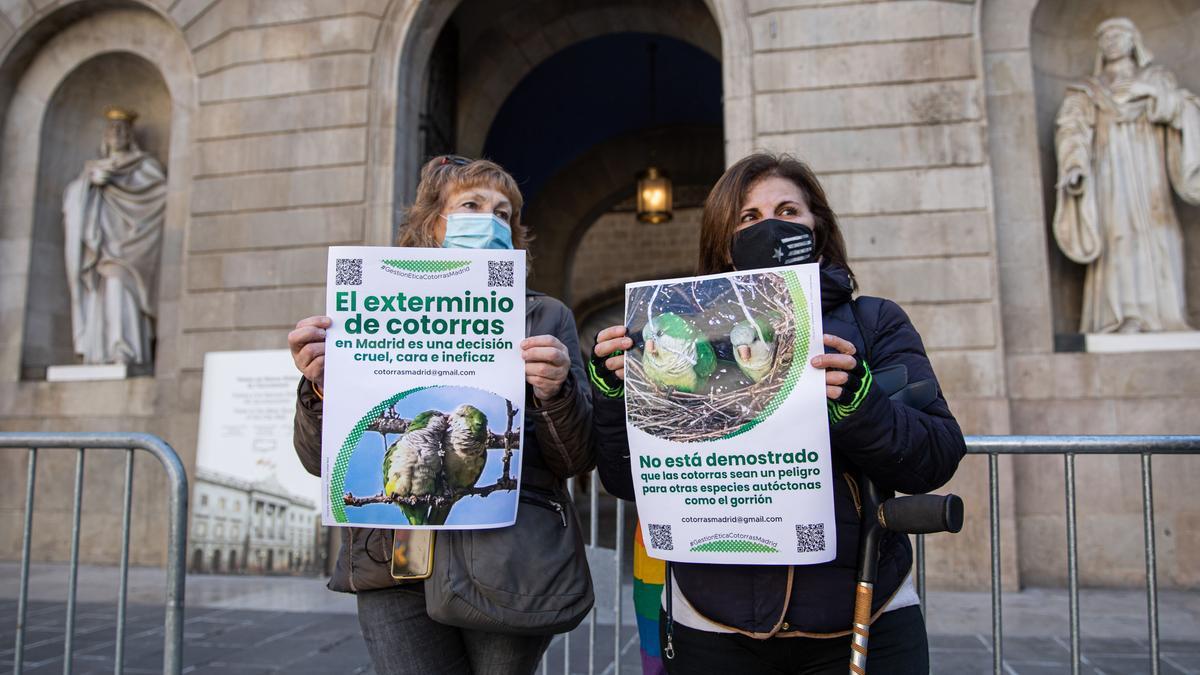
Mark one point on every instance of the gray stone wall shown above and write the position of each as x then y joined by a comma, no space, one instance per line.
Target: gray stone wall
1074,393
883,99
293,127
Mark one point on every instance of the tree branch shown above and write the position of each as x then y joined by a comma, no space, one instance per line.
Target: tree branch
390,423
509,437
424,500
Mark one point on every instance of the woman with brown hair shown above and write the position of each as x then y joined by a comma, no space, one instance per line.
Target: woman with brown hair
460,203
767,211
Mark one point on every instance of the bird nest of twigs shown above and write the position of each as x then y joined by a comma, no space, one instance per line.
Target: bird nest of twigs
729,400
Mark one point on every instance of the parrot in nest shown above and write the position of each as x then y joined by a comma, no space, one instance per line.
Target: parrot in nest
465,447
676,354
412,466
754,347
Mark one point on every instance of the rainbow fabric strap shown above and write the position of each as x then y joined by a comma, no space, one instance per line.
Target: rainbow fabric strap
648,578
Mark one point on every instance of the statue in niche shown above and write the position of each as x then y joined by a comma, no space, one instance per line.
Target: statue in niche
113,218
1124,137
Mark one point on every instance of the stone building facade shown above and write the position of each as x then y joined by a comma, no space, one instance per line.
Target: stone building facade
287,126
239,526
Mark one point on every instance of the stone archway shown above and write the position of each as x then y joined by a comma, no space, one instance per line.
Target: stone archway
518,45
1030,50
1020,97
1062,50
71,130
34,71
609,173
399,78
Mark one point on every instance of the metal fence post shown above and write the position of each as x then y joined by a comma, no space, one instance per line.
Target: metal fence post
1072,560
994,518
1151,561
26,537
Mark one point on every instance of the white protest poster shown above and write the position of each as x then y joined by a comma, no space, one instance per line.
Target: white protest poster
727,419
424,387
254,507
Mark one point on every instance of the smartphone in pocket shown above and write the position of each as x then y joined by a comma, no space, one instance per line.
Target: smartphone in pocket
412,554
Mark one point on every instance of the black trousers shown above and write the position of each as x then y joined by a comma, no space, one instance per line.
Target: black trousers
898,646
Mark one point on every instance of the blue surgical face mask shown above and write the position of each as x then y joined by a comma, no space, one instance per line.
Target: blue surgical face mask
476,230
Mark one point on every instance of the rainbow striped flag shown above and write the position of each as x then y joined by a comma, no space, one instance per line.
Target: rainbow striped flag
648,578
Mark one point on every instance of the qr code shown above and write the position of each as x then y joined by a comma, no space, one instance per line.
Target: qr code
349,272
660,537
810,538
500,273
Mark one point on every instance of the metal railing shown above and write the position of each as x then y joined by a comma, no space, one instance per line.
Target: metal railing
1069,447
617,574
176,537
993,447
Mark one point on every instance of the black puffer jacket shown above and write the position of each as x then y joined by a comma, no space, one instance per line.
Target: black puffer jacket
898,447
560,445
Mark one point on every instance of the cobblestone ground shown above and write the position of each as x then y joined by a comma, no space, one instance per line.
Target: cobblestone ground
250,624
245,642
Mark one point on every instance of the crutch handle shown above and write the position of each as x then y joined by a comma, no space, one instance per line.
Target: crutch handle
922,514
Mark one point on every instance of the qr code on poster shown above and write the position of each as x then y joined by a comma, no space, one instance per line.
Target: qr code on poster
349,272
500,273
810,538
660,537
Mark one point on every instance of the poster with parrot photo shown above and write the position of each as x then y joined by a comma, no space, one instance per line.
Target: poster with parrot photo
424,388
727,419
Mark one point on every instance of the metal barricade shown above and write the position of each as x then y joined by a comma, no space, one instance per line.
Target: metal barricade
1069,447
176,537
993,447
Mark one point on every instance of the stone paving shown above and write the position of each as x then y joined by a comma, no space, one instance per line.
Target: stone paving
246,642
245,625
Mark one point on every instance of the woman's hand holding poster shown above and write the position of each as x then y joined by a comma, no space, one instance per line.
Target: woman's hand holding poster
727,419
424,387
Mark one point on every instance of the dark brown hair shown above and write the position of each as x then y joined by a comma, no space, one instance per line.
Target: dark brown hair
441,176
724,203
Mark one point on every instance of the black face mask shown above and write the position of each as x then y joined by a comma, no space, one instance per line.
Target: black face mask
772,243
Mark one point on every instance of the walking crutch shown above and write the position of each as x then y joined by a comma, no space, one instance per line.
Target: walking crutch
916,514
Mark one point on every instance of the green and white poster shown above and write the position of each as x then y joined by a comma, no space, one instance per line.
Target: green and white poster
424,388
727,420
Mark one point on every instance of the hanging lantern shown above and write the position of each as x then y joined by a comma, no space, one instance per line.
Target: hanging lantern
653,196
653,186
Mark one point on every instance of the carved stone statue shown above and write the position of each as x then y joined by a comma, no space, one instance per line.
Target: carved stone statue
1124,137
113,216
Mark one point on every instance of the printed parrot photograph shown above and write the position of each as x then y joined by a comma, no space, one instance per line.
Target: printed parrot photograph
437,457
709,354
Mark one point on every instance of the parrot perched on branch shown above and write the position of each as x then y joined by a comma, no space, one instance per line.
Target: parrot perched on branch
412,466
754,347
465,447
676,354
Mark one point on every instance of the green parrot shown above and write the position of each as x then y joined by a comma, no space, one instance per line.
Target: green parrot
677,355
412,466
465,454
754,348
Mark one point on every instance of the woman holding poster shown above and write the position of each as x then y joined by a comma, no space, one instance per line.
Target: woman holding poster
460,203
769,211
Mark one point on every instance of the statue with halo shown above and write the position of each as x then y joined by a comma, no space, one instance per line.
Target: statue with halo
113,218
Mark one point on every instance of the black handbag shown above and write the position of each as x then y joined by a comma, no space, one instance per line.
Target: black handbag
531,578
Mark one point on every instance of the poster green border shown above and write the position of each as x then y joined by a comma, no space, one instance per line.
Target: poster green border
799,355
337,477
